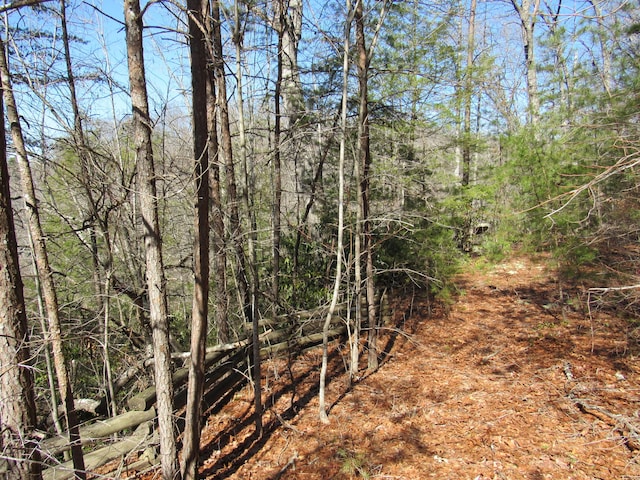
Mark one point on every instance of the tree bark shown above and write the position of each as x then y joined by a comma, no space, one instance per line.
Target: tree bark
468,95
322,409
156,285
95,221
288,25
362,149
243,277
364,173
17,404
217,219
42,264
527,12
199,79
276,214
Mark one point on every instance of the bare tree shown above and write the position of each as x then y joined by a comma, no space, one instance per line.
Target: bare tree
288,25
17,404
605,70
244,280
217,219
468,95
43,266
363,174
96,225
156,284
528,11
197,12
276,208
322,409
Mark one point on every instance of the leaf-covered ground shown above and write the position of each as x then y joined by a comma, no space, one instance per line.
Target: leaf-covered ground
515,380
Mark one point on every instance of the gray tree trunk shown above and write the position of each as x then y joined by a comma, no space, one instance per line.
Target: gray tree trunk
17,405
199,79
42,265
156,286
322,409
527,12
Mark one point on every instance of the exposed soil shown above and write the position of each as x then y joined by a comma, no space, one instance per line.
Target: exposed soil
515,380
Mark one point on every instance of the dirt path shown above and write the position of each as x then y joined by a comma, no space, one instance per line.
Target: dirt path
515,382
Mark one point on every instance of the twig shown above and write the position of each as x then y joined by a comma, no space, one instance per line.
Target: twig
629,432
291,462
613,289
286,424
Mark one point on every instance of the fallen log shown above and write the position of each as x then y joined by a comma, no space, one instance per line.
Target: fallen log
235,361
316,315
146,398
226,367
301,342
100,429
103,455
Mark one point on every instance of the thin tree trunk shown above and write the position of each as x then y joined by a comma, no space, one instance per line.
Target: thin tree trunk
199,79
528,18
322,409
277,171
288,24
364,161
83,155
156,285
468,95
17,403
605,71
242,277
252,237
217,220
362,152
43,266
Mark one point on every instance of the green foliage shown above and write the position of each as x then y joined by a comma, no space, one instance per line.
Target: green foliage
539,174
354,464
425,255
310,284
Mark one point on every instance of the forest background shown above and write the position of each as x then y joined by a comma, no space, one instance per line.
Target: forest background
333,151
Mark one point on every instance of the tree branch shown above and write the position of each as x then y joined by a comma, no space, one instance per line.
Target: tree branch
21,3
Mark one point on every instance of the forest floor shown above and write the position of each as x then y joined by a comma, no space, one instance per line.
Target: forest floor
516,379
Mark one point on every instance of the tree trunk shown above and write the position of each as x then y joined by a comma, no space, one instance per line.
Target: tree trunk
605,70
152,240
288,24
252,237
102,297
243,277
17,404
277,174
199,79
42,264
468,95
528,18
364,171
322,409
362,153
217,215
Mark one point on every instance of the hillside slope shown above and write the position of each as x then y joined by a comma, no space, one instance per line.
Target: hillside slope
515,381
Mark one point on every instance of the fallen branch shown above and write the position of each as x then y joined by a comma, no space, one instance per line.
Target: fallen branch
98,430
630,433
290,463
98,458
613,289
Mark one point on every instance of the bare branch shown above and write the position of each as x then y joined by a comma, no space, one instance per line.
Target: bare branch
21,3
